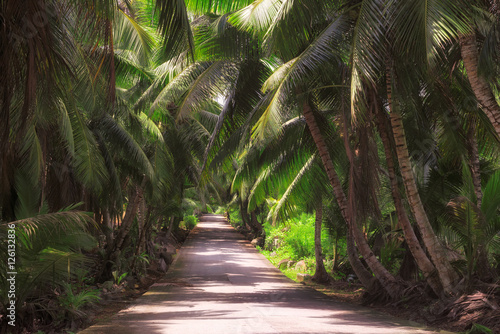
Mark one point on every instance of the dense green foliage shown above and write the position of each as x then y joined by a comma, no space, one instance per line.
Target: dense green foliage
120,121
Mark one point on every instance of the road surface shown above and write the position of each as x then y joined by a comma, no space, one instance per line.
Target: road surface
220,284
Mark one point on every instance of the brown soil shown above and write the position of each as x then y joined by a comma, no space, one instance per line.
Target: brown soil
457,315
119,298
115,302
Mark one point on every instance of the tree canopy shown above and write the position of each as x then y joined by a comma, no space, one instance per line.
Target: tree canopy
382,117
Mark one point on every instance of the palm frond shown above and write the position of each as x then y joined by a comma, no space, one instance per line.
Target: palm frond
216,7
422,28
210,84
129,35
121,139
491,200
175,26
88,163
178,85
256,17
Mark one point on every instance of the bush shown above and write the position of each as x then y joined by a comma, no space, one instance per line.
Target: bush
220,210
190,221
296,238
235,217
71,303
300,237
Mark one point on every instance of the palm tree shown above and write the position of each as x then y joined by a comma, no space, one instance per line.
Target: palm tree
287,168
48,254
477,228
484,25
283,83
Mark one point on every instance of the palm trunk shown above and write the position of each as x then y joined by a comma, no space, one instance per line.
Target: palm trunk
474,164
114,248
335,253
245,217
256,225
141,222
483,266
479,85
365,277
130,214
447,274
387,280
389,283
416,250
363,247
142,242
171,227
108,226
320,276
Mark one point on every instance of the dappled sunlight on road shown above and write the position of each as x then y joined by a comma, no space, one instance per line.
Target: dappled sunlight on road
221,284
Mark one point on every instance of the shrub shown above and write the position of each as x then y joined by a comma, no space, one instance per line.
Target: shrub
71,303
190,221
235,218
296,237
300,238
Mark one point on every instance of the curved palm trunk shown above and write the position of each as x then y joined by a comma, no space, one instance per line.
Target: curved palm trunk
130,214
480,87
320,276
365,277
245,217
416,250
256,225
387,281
114,249
141,241
447,274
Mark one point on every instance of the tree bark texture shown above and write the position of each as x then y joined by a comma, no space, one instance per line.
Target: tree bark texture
356,264
412,241
321,275
479,85
474,164
447,274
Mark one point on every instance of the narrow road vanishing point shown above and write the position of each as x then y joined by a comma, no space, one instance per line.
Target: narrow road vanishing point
220,284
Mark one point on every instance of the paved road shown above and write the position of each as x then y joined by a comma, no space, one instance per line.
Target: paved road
220,284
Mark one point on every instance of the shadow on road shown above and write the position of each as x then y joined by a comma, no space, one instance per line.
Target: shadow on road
221,284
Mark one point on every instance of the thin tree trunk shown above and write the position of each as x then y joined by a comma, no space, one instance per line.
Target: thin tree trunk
480,86
170,227
483,266
320,276
245,217
365,277
386,279
142,216
130,214
256,225
447,274
416,250
474,164
108,227
356,264
335,253
389,283
142,242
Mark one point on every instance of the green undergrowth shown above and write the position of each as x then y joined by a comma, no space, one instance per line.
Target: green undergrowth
189,222
294,240
289,272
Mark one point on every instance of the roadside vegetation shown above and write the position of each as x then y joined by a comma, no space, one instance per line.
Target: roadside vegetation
374,124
